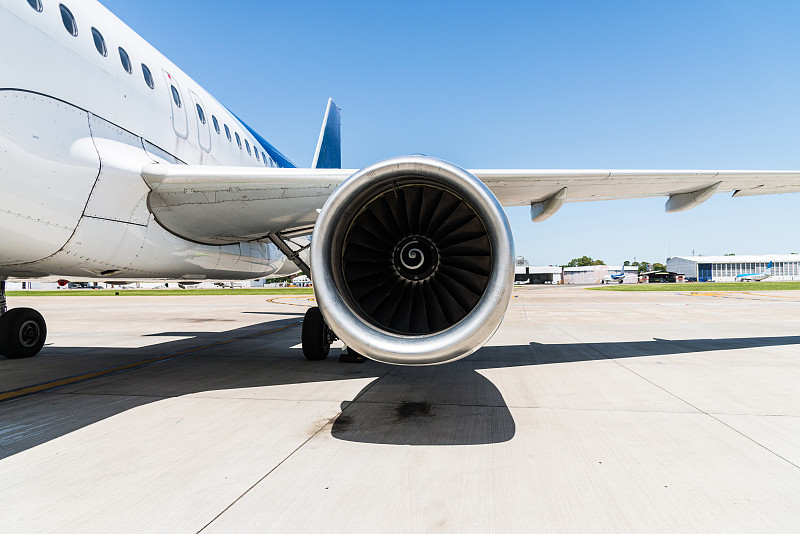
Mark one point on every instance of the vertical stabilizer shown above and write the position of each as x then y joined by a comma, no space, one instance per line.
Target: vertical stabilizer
329,147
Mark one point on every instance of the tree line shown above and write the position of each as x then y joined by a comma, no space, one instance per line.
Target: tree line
643,266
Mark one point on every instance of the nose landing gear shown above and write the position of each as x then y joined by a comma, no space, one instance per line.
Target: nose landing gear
22,330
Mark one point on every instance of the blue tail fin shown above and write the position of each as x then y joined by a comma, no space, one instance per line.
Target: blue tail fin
769,266
329,147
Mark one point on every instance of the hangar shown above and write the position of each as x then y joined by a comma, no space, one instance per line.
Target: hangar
785,267
532,274
595,274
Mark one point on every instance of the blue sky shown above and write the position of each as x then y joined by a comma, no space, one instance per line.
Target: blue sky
562,84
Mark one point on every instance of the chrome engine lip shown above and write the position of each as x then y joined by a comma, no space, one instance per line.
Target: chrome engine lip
461,339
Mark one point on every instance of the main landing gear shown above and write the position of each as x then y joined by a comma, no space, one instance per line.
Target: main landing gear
317,339
22,330
316,336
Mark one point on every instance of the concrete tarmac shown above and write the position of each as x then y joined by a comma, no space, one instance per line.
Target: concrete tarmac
588,411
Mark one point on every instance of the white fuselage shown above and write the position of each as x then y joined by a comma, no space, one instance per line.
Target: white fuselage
75,130
752,277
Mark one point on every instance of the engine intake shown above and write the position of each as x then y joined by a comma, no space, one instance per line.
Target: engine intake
413,261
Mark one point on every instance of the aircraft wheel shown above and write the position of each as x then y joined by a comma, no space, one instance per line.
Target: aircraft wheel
22,333
315,335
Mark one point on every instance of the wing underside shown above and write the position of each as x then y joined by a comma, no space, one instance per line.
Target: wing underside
220,205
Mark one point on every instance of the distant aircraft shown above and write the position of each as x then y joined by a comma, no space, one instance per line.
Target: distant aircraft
618,278
755,277
116,165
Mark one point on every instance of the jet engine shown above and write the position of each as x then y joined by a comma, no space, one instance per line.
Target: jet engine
412,260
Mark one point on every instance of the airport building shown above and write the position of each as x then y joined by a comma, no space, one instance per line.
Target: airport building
598,274
35,285
533,274
785,267
525,273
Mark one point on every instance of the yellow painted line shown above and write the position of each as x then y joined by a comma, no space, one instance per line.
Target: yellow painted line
772,296
294,297
37,388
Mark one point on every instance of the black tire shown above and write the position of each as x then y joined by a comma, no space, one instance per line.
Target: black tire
315,335
22,333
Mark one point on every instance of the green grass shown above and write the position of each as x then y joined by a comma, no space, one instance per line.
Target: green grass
161,292
704,286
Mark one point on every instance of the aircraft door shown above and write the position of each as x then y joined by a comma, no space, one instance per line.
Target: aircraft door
179,122
203,129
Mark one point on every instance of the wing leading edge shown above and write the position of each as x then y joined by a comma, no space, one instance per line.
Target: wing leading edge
220,205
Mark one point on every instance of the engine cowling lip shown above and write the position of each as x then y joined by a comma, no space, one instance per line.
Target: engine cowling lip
453,343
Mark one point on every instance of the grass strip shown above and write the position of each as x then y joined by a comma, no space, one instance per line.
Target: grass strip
704,286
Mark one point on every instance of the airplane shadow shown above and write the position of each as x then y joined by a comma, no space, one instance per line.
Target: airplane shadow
538,353
451,404
442,405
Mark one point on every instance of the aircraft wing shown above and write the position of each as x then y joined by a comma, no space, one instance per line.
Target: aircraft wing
520,187
222,205
219,205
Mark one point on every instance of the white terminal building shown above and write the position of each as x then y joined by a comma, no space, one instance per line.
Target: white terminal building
785,267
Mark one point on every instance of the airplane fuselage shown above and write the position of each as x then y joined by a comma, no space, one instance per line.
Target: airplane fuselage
757,277
618,278
79,117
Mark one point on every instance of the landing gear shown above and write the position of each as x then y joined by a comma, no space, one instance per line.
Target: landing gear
316,336
22,333
351,356
22,330
317,339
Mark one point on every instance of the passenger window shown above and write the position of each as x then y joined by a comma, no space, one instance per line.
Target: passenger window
247,144
99,42
216,123
227,132
148,77
258,158
126,60
238,141
68,20
176,96
36,4
200,114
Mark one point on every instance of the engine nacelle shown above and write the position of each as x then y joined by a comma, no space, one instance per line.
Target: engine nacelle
412,261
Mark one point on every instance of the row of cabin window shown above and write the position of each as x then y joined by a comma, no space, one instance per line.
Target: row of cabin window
100,44
176,97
